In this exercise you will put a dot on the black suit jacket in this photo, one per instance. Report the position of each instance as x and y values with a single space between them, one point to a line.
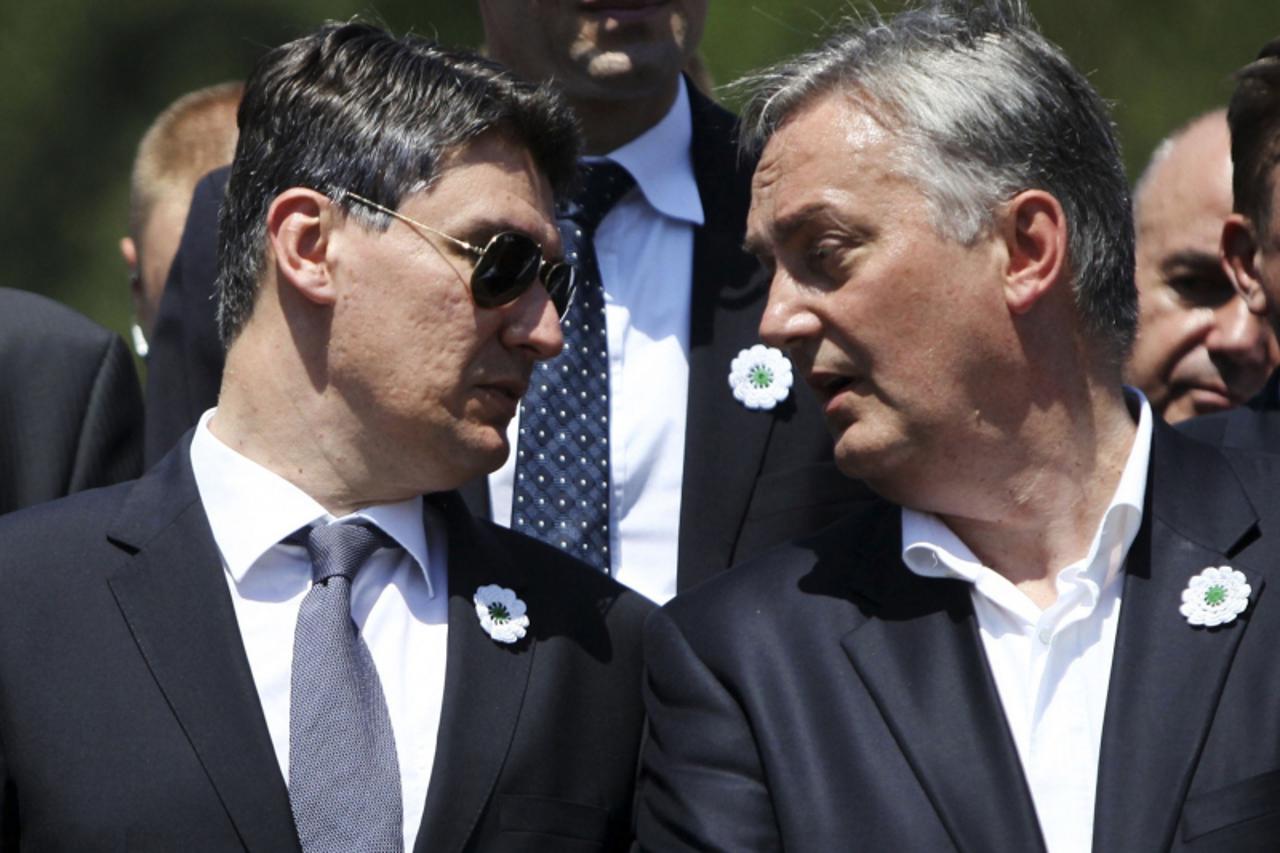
824 697
70 404
129 717
751 479
184 362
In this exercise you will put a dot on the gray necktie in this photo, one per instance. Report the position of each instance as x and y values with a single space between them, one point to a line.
344 779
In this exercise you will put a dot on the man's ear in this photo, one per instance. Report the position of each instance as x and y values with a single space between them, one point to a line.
129 251
299 223
1239 251
1034 229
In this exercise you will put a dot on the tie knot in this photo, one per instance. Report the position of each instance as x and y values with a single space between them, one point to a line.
341 549
600 185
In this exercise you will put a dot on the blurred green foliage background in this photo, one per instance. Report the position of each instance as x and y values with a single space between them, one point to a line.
83 78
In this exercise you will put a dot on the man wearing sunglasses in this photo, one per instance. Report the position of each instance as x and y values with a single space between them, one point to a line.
291 634
683 479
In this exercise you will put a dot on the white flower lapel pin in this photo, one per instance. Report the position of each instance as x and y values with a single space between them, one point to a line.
760 377
1216 596
502 615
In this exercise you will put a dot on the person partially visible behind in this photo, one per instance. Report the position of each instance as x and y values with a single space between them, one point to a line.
1199 348
1251 241
70 403
290 633
192 136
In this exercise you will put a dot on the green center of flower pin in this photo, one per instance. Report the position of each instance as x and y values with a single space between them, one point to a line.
499 613
761 376
1215 595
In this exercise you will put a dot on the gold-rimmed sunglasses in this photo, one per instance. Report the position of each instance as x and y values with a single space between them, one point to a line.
505 267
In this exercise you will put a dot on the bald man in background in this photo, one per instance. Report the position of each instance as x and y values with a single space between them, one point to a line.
1199 349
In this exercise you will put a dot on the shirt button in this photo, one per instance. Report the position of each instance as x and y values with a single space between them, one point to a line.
1045 636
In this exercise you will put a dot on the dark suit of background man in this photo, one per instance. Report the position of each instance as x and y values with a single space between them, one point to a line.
698 480
70 404
1251 240
993 658
150 696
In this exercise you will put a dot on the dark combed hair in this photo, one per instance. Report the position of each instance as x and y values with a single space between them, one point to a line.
985 107
352 108
1254 118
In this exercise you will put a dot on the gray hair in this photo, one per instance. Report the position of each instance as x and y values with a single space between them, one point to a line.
985 108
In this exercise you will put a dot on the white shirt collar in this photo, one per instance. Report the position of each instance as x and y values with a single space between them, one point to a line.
252 509
931 549
660 161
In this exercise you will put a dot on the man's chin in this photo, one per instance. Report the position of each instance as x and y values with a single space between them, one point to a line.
479 452
629 72
1197 402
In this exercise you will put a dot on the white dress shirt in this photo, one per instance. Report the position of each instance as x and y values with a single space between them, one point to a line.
399 600
644 247
1051 667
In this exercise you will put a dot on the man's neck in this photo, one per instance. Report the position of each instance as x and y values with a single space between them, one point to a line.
607 125
270 418
1052 498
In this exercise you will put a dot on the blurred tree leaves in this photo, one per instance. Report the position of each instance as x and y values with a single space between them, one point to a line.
83 78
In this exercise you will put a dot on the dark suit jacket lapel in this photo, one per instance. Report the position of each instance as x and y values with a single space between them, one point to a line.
921 658
1167 676
170 586
484 687
724 441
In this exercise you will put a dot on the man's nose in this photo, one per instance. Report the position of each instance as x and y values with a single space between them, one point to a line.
532 323
788 317
1240 334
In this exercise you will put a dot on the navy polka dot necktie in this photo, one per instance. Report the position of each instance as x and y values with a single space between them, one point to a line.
561 491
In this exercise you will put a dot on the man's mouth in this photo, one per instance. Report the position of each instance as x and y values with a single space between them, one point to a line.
827 384
622 10
503 395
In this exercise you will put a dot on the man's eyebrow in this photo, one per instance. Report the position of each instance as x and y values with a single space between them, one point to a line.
784 228
481 230
1191 259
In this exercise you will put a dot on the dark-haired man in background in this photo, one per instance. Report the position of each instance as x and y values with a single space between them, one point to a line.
676 479
1056 631
273 640
1251 240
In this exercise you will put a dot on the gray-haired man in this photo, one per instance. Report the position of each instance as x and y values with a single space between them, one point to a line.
1011 651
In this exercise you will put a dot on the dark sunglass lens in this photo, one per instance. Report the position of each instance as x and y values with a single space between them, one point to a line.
505 270
561 282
